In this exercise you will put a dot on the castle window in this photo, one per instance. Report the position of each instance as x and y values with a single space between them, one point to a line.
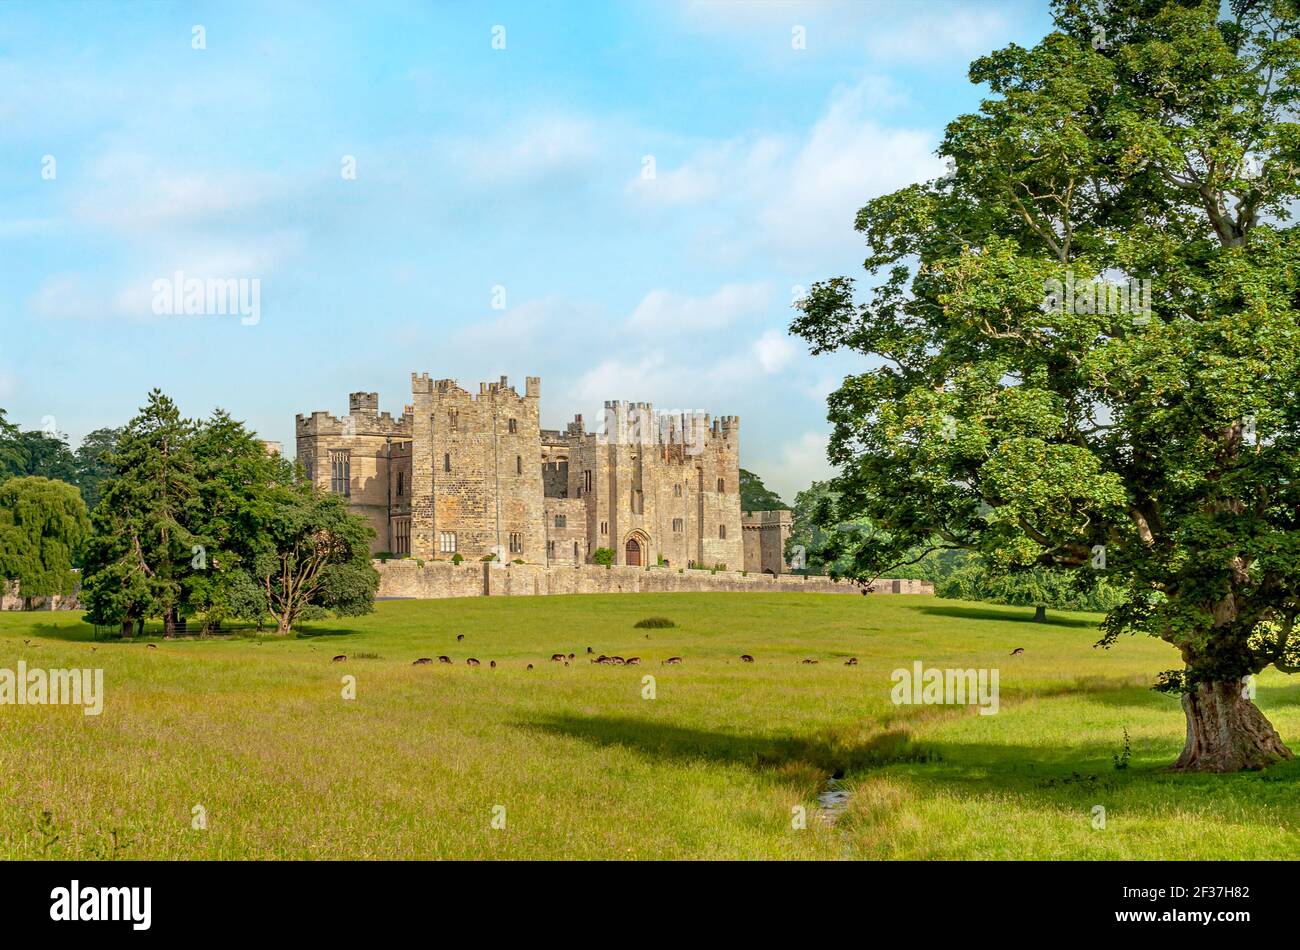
575 550
446 462
516 543
586 480
550 550
519 465
341 472
400 483
561 521
677 490
453 418
722 532
447 542
722 485
604 527
512 427
678 525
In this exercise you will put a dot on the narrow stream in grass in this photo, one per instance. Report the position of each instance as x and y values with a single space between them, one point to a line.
832 802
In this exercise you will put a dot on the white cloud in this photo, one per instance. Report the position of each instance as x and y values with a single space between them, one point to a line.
543 148
847 160
796 198
958 33
774 351
794 467
665 312
66 297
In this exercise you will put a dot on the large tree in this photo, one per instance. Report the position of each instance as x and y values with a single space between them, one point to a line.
313 557
12 458
1019 412
142 544
755 496
92 465
47 455
42 526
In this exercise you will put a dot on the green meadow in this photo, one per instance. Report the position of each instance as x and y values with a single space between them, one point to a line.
255 736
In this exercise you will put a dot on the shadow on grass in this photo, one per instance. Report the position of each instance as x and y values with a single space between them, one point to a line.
1074 776
1002 615
84 632
828 752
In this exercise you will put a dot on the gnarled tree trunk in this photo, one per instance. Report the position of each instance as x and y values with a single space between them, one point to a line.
1226 732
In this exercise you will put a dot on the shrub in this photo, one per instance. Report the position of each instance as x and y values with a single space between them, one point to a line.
654 623
603 556
457 558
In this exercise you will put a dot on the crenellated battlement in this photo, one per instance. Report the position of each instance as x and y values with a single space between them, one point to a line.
472 472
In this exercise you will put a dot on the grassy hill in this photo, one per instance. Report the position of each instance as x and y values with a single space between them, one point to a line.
420 762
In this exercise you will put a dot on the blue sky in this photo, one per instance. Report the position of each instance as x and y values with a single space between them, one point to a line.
478 171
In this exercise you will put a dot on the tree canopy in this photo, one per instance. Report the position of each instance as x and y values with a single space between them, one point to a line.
197 519
755 496
1088 343
43 524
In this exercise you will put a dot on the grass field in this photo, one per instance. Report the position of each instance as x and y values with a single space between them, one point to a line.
258 735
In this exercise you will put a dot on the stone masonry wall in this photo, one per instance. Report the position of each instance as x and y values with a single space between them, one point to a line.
437 579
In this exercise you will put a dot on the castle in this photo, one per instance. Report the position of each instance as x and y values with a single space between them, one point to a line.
461 476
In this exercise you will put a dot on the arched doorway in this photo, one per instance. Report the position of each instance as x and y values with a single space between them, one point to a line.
632 553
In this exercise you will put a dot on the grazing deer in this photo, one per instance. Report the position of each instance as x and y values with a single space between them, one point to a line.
444 659
590 650
493 664
472 662
422 661
633 661
557 657
673 661
340 658
617 660
530 666
851 661
150 646
570 656
1017 651
460 637
746 658
809 661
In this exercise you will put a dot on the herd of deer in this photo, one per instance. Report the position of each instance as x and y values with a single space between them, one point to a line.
602 659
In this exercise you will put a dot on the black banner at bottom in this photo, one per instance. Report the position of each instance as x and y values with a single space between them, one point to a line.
147 899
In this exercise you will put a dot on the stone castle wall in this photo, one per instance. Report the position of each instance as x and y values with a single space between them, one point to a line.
437 579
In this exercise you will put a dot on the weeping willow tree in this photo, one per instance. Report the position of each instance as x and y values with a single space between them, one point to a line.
43 524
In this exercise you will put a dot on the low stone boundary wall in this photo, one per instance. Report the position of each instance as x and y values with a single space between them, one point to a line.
435 579
11 599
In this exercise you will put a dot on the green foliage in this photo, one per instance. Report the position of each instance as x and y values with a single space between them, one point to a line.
603 556
48 456
755 496
12 459
142 545
92 463
457 558
43 524
1120 758
197 518
1001 421
313 555
1038 586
